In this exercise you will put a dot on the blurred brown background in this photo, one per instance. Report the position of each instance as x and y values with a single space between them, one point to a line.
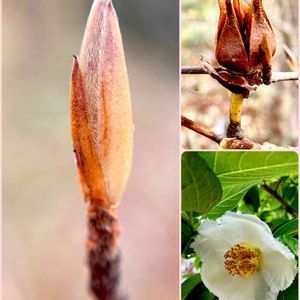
271 113
43 210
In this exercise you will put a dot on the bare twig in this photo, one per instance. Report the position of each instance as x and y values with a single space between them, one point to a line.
185 122
285 205
104 254
284 76
276 76
228 143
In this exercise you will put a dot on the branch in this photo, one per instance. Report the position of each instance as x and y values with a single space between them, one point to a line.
276 76
185 122
284 76
103 254
285 205
228 143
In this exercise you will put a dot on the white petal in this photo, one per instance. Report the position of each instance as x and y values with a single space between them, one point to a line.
251 218
220 235
228 287
279 267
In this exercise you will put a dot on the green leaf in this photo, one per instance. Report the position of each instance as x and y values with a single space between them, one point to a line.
189 284
290 242
291 293
201 189
240 171
290 228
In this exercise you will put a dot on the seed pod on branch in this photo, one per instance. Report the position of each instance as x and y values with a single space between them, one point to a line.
245 40
101 121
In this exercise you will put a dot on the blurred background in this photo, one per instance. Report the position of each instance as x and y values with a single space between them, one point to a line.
44 216
270 113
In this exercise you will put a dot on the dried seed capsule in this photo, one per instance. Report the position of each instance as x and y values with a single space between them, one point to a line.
101 109
230 50
245 39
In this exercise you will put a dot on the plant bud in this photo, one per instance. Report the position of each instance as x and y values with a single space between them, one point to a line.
245 39
101 116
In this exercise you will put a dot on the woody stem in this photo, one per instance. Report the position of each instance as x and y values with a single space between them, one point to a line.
234 129
103 253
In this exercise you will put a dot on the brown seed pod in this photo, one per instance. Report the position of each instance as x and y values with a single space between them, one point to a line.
245 39
101 116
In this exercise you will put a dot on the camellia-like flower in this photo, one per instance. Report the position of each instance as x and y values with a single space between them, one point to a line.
241 260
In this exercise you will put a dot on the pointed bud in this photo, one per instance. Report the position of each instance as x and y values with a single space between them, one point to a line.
101 109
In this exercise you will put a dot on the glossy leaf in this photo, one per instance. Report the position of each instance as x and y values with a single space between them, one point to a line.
290 228
189 284
240 171
201 189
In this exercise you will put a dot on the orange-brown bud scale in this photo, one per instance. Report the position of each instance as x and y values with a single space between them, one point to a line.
245 40
101 109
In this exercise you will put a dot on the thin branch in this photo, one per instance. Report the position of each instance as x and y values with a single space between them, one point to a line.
284 76
285 205
276 76
228 143
103 254
185 122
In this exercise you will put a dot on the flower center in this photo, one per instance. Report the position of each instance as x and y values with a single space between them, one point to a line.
242 260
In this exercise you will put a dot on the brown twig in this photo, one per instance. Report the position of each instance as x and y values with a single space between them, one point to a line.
185 122
228 143
276 76
285 205
103 254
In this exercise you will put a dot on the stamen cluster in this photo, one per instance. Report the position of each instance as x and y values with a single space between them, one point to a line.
242 260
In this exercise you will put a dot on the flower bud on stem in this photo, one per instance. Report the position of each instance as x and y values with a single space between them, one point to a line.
101 122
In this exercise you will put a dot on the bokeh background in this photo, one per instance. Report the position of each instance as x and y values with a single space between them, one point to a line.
44 224
270 114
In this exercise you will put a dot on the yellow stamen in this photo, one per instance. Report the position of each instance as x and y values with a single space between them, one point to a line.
242 260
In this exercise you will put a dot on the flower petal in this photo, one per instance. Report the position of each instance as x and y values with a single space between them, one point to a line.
220 235
279 267
228 287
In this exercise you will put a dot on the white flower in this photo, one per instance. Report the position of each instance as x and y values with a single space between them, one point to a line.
241 260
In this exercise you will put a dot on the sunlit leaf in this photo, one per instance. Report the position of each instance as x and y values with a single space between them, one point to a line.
290 228
240 171
201 189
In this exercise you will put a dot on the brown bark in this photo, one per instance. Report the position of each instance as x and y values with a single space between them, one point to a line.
104 257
